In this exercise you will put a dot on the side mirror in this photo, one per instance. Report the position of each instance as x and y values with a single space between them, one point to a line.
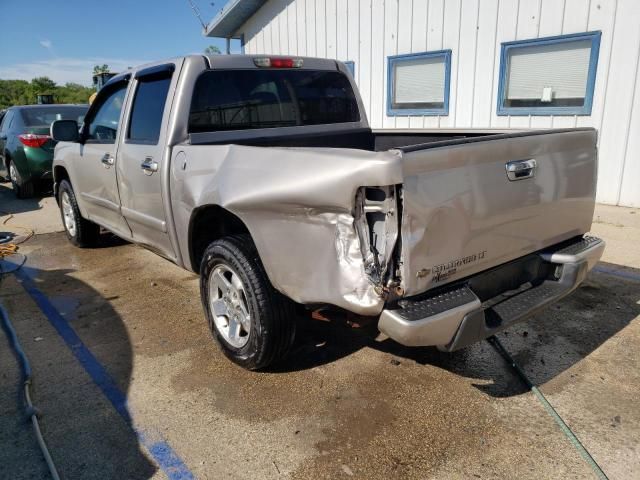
65 131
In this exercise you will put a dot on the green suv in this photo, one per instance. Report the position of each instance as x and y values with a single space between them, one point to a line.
26 149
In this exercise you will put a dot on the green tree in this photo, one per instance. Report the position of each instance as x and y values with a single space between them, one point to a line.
97 69
15 92
21 92
212 50
73 93
43 85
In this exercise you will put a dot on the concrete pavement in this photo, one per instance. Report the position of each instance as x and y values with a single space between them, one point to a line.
343 406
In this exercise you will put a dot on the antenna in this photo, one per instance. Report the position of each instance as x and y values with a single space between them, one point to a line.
196 12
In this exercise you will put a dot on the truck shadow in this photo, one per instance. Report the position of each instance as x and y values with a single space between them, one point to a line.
11 205
88 430
544 345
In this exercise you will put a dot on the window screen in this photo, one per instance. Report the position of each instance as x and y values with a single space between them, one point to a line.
248 99
419 83
549 74
147 110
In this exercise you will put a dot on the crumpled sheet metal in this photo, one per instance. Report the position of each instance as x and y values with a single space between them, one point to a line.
298 206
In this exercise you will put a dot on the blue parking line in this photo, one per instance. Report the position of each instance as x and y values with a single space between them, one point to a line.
163 454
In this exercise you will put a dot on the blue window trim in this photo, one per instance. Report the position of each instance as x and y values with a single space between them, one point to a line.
393 60
594 37
351 65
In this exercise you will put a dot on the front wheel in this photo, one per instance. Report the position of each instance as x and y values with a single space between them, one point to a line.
252 322
80 232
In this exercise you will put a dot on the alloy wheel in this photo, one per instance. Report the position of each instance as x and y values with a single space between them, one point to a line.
13 174
67 214
229 306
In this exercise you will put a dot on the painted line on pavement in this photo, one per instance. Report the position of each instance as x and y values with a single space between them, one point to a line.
161 451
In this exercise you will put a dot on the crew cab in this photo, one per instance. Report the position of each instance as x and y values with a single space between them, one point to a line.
262 175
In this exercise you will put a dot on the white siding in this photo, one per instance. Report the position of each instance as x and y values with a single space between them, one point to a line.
368 31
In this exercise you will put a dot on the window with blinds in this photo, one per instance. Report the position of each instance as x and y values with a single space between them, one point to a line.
419 83
549 76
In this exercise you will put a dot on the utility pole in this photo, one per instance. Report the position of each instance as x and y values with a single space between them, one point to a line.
196 12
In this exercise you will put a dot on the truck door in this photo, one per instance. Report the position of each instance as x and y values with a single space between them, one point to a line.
95 172
143 157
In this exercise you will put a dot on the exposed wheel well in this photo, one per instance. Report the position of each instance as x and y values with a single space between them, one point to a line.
59 174
209 223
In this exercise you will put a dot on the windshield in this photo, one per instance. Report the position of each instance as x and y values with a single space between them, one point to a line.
246 99
36 116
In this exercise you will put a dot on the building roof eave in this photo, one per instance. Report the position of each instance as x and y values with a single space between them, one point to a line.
234 14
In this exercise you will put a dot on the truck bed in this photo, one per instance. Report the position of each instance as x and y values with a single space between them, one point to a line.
360 139
460 212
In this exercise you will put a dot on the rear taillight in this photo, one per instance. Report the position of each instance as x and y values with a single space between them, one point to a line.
33 139
277 62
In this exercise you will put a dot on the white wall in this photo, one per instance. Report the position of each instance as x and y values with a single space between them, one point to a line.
367 31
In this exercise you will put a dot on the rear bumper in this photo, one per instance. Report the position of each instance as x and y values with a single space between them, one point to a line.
39 164
456 318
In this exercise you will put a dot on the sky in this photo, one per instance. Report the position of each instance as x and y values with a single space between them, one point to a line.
64 39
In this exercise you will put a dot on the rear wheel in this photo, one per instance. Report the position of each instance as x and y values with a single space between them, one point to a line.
21 188
3 178
252 322
80 232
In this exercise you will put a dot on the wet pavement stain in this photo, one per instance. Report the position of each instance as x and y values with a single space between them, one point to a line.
343 404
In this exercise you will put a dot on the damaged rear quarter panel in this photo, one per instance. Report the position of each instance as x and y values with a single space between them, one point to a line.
298 205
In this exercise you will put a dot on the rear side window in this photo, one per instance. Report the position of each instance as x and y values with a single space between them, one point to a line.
248 99
147 110
6 121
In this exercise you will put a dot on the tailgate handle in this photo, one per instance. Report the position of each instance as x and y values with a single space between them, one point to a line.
521 169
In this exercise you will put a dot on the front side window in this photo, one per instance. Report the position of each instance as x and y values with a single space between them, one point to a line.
147 110
418 83
103 127
548 76
241 99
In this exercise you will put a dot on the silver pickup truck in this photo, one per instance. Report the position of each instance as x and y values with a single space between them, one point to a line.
262 175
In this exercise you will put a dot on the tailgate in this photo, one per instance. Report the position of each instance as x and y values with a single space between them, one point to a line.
462 214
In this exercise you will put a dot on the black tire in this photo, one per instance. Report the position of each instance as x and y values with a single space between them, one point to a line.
21 188
6 179
86 233
272 315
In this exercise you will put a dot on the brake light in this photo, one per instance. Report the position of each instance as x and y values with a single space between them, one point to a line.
33 139
277 62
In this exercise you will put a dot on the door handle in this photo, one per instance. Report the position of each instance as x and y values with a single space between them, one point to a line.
149 166
521 169
107 160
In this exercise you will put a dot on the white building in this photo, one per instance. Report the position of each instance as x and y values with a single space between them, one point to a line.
474 64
